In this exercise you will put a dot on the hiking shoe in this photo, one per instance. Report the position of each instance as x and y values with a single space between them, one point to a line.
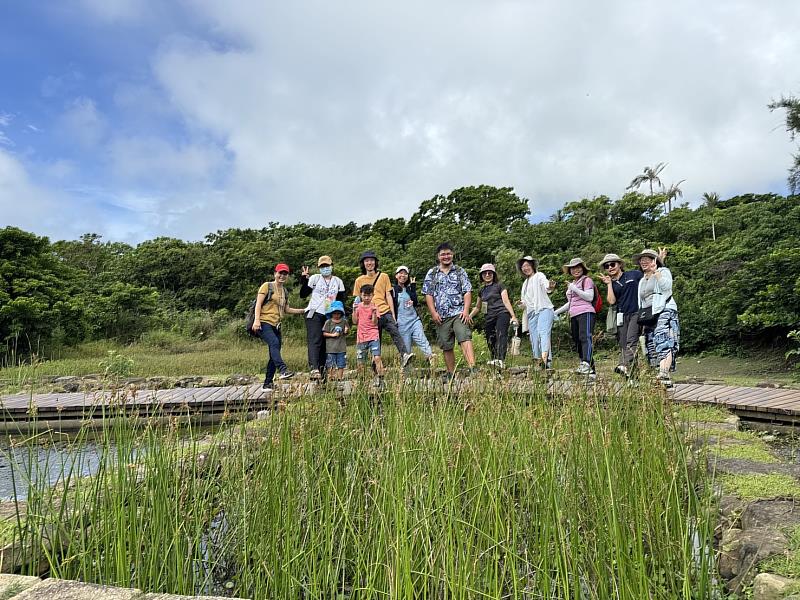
315 375
267 387
664 379
583 368
286 375
621 370
407 358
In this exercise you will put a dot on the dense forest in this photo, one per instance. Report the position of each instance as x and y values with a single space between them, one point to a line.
736 264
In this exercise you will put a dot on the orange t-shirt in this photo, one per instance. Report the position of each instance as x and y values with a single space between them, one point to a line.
382 285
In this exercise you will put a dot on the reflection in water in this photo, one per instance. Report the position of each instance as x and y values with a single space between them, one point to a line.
53 461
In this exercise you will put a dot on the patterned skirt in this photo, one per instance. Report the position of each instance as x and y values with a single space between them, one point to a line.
664 338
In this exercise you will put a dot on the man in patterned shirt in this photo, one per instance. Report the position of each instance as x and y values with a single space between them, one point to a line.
448 294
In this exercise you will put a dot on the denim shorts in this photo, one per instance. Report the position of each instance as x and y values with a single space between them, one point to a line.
336 360
372 347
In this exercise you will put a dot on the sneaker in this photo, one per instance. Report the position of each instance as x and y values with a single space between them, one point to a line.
407 358
315 374
621 370
583 368
499 364
664 379
267 387
286 375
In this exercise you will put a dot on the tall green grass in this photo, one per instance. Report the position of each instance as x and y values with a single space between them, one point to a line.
471 495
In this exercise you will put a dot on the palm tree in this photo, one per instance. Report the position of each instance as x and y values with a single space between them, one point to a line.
650 175
710 200
672 192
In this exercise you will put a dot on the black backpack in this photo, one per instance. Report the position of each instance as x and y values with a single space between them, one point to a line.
250 319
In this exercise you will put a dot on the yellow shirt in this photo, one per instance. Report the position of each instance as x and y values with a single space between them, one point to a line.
382 286
272 311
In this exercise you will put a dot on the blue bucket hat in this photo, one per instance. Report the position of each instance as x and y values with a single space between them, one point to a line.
335 306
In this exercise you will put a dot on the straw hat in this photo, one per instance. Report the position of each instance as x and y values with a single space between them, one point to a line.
611 258
574 263
530 259
647 252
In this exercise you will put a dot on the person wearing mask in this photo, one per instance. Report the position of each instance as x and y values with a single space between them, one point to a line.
321 289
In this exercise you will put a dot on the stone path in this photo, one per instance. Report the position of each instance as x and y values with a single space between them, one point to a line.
22 587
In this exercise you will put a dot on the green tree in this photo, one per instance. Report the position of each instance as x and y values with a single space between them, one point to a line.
649 175
792 107
710 201
673 192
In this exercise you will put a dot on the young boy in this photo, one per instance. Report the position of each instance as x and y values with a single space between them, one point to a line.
334 331
365 317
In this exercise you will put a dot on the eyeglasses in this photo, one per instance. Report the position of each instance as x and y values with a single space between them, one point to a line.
608 265
485 273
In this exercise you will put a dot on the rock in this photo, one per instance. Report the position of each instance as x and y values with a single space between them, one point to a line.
14 584
76 590
159 383
766 384
739 466
767 586
730 510
771 513
741 551
188 382
211 382
138 382
240 380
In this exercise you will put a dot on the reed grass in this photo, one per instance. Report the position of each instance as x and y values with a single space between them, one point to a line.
474 494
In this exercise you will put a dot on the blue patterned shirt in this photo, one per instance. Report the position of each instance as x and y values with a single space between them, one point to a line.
447 289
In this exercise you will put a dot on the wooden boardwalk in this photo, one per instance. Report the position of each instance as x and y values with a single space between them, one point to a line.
70 410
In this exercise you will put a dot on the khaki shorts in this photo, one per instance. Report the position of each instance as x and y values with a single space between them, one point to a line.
452 330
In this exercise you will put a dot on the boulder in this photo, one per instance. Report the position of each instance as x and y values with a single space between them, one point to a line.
767 586
740 466
240 380
730 511
188 382
771 513
741 551
159 383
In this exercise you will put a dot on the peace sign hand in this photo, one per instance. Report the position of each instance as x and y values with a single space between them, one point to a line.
412 280
304 272
662 254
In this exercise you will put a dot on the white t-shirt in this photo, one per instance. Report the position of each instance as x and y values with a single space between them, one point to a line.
534 292
322 293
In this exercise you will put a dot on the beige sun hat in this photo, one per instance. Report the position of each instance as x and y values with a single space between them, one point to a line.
647 252
527 258
611 258
574 263
324 260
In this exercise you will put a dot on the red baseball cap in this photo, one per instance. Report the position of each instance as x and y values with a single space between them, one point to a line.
282 267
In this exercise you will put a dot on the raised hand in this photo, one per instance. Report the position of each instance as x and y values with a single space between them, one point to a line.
662 254
412 280
305 271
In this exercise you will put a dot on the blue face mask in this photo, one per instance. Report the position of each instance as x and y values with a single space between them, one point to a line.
326 271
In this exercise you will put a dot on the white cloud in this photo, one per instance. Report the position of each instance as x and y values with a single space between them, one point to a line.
330 112
83 122
23 203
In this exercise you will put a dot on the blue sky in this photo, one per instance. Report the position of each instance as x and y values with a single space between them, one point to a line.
141 118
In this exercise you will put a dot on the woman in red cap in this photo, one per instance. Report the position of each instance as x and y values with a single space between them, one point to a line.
272 304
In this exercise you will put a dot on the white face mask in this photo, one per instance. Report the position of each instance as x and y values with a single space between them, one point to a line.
326 271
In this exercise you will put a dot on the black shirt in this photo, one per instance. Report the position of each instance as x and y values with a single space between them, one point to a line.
491 295
626 290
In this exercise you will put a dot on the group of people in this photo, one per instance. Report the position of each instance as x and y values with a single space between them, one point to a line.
640 303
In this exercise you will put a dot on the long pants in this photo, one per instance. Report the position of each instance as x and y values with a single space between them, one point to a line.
414 332
581 327
540 327
496 330
316 342
272 337
628 338
386 322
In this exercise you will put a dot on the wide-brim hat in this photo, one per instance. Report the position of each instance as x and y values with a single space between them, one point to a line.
574 263
647 252
401 268
336 306
611 258
487 267
529 259
367 254
324 260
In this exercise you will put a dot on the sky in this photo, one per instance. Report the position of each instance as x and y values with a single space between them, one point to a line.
136 119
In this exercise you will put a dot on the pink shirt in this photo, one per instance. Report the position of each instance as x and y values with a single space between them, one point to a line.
577 305
367 331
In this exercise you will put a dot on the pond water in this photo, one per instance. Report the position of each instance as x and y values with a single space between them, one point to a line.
30 463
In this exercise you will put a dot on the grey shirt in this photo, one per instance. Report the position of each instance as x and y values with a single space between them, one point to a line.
337 344
648 289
